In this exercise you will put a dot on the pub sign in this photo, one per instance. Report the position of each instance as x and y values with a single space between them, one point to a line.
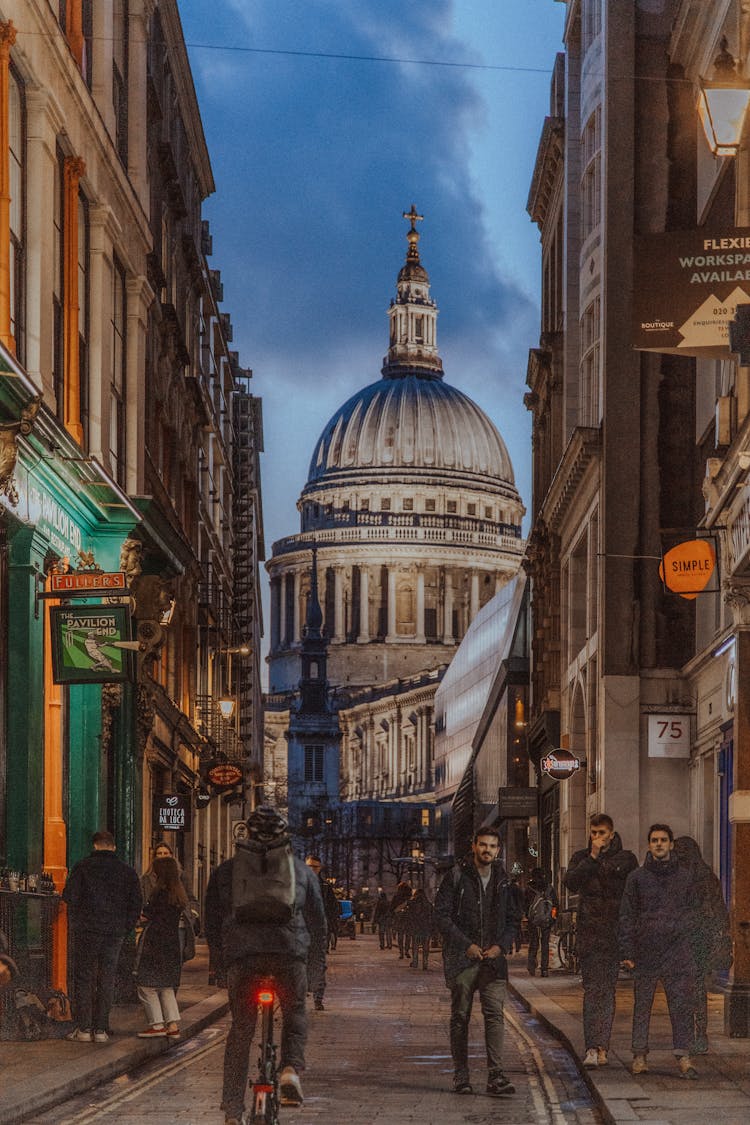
85 642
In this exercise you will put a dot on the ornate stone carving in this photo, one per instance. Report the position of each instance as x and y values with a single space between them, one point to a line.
737 597
145 712
111 700
9 432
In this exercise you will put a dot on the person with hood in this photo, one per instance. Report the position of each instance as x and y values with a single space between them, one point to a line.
539 906
419 921
473 912
597 875
103 896
246 952
381 916
711 939
658 917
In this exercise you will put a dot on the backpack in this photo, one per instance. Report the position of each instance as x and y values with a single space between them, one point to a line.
263 882
540 911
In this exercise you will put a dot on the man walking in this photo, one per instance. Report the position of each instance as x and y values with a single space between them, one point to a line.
316 975
474 914
104 903
657 918
246 951
597 874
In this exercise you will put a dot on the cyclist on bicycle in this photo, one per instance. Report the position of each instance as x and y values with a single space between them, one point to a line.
245 953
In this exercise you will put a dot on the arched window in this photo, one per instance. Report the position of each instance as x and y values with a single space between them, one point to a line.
17 164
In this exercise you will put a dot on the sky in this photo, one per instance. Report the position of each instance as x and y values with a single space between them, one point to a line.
315 158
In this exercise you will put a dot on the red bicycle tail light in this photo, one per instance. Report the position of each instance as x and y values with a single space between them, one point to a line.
265 997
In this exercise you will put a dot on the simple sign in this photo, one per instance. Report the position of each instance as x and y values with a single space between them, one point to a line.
687 568
86 582
171 812
687 287
560 764
85 644
669 736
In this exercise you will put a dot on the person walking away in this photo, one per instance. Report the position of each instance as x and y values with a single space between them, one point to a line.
711 939
247 951
382 919
541 903
473 913
160 951
420 924
399 902
658 916
103 895
597 875
316 975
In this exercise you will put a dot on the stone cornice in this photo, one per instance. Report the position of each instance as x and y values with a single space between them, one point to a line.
582 449
183 77
396 540
549 161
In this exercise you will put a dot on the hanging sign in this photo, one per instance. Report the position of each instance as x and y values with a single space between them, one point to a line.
87 583
686 569
86 644
687 287
560 764
669 736
171 812
224 775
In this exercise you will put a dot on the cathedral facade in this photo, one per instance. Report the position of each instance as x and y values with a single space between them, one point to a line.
411 511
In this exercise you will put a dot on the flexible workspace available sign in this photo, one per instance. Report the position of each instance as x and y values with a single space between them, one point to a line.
687 287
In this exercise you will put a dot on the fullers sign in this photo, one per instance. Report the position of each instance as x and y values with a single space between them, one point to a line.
560 764
687 568
687 287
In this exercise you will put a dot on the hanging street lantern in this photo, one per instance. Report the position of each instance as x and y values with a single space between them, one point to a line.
722 103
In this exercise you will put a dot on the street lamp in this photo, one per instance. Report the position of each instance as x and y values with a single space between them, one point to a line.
722 103
226 706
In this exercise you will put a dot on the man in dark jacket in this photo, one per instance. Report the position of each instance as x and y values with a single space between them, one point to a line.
104 902
597 874
473 912
658 917
247 952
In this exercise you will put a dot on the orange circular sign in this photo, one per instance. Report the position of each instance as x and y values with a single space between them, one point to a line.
687 568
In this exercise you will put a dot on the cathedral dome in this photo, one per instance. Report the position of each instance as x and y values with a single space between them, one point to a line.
410 421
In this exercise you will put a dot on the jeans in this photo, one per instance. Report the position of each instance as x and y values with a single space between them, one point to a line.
243 977
385 933
599 978
679 988
316 979
538 936
160 1004
95 958
492 992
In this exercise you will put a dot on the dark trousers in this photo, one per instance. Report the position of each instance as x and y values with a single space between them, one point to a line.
290 978
538 937
385 933
492 993
95 958
420 942
678 981
599 978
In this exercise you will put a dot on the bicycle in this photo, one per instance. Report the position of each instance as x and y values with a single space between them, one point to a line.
265 1090
566 943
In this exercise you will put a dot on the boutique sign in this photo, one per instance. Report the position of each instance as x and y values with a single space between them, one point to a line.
687 287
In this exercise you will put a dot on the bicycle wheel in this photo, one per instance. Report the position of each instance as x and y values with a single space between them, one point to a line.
564 952
265 1108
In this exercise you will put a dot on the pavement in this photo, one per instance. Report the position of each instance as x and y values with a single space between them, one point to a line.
35 1077
720 1095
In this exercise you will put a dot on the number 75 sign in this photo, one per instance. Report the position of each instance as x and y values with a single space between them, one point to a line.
669 736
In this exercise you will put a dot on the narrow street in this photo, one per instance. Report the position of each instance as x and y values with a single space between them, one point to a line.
379 1053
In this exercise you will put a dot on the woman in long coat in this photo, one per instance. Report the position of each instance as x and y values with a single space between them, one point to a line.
159 956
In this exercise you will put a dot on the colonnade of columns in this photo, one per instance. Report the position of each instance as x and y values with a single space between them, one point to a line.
389 752
458 588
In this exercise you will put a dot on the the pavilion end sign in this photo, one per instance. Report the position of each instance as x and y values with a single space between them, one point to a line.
687 286
86 644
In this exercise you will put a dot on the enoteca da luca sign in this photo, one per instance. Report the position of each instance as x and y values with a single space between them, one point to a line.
687 286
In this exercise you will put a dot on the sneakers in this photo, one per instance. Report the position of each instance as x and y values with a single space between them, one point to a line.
173 1032
687 1070
639 1066
601 1056
498 1086
79 1036
461 1084
700 1047
101 1037
591 1058
152 1033
290 1087
235 1120
319 1006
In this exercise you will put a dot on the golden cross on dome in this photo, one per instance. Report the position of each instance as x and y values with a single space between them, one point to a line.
415 218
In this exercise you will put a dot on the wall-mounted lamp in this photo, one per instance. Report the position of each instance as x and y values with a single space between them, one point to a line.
226 706
167 613
722 103
519 713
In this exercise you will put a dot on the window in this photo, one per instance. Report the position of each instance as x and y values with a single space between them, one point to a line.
314 763
16 162
120 76
365 505
451 506
488 513
471 509
57 289
83 306
408 505
591 22
589 370
591 179
429 505
385 504
117 380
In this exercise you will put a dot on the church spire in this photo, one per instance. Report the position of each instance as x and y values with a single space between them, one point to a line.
413 316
